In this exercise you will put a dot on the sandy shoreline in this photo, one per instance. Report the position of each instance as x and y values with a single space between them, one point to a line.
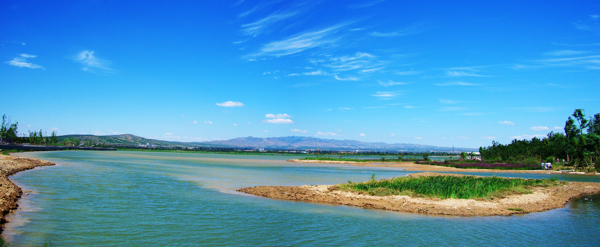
9 192
411 166
542 199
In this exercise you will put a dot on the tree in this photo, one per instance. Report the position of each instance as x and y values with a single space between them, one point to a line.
8 131
426 156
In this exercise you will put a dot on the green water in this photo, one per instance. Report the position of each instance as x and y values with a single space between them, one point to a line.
175 199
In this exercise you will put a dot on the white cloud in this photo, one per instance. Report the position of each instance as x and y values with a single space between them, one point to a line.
462 73
234 124
345 79
564 53
300 42
387 95
278 116
456 83
264 131
297 130
488 137
446 101
230 104
506 122
327 134
527 136
257 27
208 122
195 122
22 62
345 109
393 134
557 128
418 138
391 83
462 137
278 121
361 134
455 108
414 29
539 128
90 62
364 5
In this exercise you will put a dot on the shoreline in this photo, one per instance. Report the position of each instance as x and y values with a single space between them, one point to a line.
9 192
411 166
542 199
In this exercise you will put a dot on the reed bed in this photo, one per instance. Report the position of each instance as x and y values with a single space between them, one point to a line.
458 187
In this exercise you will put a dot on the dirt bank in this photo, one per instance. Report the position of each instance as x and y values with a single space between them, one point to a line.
9 192
542 199
411 166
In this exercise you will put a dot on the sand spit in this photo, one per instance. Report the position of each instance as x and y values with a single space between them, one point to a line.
9 192
542 199
411 166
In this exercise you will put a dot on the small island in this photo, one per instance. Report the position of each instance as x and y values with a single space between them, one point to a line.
439 194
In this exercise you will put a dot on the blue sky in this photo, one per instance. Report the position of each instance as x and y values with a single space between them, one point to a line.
425 72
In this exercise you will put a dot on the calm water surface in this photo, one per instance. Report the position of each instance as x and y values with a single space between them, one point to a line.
145 198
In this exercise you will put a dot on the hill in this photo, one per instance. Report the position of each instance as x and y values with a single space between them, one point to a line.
283 143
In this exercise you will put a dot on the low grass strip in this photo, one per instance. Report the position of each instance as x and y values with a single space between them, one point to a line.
458 187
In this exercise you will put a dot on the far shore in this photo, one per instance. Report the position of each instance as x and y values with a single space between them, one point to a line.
411 166
9 192
542 199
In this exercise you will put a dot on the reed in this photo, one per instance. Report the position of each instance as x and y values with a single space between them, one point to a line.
459 187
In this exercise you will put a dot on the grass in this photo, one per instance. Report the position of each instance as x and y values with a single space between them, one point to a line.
459 187
358 160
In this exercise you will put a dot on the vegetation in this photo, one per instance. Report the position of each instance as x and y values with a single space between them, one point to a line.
459 187
579 147
8 130
527 164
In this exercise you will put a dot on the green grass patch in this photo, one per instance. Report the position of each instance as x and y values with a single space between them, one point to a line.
515 209
464 187
358 160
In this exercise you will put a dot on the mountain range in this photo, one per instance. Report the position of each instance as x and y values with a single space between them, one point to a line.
281 143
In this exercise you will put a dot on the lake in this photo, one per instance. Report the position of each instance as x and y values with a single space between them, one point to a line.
122 198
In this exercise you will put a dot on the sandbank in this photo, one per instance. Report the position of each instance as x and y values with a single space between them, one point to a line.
542 199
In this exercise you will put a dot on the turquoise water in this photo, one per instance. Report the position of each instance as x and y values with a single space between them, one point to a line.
174 199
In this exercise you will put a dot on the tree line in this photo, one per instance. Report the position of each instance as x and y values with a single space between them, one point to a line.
578 146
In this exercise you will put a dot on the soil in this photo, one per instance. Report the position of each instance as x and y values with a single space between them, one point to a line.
9 192
542 199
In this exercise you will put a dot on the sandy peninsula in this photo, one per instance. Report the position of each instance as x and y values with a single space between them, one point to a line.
9 192
411 166
541 199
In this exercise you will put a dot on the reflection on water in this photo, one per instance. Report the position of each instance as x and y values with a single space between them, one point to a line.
144 198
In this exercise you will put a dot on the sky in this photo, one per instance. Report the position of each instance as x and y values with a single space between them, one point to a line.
439 73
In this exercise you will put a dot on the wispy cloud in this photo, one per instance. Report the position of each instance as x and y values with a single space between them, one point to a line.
452 108
298 130
327 134
260 26
387 95
507 122
278 121
208 122
230 104
278 116
300 42
418 138
345 109
414 29
244 14
454 73
527 136
91 63
564 53
362 134
586 62
447 101
539 128
391 83
488 137
364 5
21 61
455 83
345 79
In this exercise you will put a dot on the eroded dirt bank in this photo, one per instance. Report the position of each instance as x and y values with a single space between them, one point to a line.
541 200
9 192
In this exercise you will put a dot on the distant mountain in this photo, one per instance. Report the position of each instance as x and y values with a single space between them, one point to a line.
300 142
288 142
124 139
